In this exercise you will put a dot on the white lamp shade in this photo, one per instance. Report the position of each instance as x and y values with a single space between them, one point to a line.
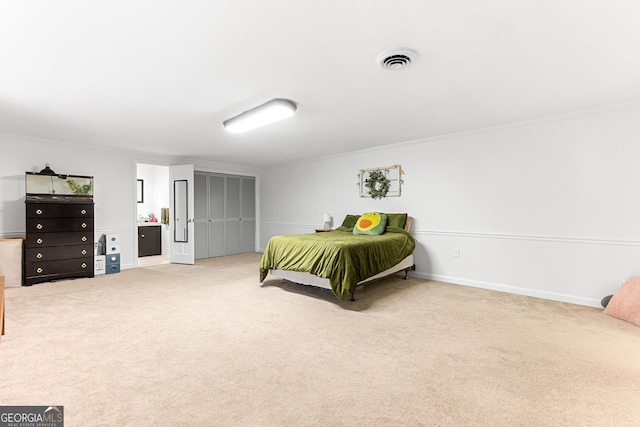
327 217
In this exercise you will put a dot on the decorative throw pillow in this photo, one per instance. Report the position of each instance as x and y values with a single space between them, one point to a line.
371 223
625 303
397 219
350 221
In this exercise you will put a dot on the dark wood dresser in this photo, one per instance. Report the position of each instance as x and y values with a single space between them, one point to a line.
59 238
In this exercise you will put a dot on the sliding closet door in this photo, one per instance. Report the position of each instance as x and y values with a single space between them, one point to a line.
240 214
225 214
217 227
233 215
201 214
248 215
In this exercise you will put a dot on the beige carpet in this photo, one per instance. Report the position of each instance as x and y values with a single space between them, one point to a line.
207 345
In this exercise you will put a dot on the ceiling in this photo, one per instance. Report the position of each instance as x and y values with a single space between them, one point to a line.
162 76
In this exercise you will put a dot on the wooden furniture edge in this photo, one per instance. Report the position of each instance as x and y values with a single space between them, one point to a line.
407 226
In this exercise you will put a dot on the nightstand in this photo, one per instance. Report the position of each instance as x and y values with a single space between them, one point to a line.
321 230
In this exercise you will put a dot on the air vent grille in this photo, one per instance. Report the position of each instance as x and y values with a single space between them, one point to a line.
396 59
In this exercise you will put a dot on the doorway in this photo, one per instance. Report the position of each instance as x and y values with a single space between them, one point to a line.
152 186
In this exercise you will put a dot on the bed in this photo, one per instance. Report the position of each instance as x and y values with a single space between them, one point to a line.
341 260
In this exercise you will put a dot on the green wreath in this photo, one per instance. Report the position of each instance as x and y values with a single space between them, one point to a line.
377 185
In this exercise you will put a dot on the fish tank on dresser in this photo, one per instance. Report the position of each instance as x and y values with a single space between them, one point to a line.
58 186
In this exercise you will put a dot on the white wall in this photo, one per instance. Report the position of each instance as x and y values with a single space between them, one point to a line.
114 173
546 208
153 199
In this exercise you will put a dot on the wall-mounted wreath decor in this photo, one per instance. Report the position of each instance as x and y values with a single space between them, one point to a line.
377 185
381 182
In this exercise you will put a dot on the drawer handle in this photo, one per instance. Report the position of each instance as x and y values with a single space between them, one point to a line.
39 270
83 211
39 226
39 256
39 212
142 235
84 238
84 252
84 265
84 225
39 241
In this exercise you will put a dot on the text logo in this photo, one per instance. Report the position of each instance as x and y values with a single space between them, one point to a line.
31 416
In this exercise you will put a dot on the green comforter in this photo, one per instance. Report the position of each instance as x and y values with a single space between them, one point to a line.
340 256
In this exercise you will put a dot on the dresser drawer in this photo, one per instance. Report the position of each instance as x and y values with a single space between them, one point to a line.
113 263
39 240
49 225
66 266
57 210
58 253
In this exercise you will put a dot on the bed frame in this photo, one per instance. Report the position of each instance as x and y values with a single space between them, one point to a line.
303 278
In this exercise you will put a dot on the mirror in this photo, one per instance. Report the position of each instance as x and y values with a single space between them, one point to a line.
141 191
180 219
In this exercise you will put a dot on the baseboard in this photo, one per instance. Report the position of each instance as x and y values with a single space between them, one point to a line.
510 289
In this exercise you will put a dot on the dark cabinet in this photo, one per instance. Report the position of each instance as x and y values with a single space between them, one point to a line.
59 239
149 240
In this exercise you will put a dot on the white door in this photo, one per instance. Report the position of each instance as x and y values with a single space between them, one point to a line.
181 214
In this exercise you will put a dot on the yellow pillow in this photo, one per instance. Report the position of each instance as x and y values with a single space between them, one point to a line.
371 223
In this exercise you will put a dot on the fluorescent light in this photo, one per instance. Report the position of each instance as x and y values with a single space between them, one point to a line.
267 113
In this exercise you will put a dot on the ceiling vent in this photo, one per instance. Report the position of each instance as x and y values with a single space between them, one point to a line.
396 59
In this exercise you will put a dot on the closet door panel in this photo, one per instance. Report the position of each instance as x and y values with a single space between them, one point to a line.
233 237
248 217
201 216
233 198
201 248
248 236
248 198
216 197
232 217
216 235
200 196
216 238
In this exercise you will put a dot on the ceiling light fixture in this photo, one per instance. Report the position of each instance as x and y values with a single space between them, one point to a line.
267 113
